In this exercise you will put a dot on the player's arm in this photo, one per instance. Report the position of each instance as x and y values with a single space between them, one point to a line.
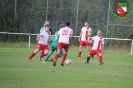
41 39
52 36
37 37
50 39
80 35
102 45
91 40
71 35
102 48
58 36
90 33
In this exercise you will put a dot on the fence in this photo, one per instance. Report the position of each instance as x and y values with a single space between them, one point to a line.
29 39
32 13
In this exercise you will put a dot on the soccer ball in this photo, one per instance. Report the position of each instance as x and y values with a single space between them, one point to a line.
68 61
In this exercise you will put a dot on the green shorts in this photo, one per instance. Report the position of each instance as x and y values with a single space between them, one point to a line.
53 48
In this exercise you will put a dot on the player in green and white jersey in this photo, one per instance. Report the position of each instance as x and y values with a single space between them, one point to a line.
54 45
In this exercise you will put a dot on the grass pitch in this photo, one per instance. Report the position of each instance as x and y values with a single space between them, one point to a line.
17 72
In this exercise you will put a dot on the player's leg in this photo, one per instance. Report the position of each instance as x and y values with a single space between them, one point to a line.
66 47
61 53
41 54
33 53
49 54
56 57
38 48
54 49
45 50
99 53
88 48
80 51
64 57
92 52
44 54
80 48
57 54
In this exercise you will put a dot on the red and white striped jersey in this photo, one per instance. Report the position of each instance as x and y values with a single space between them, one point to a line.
45 36
85 31
97 42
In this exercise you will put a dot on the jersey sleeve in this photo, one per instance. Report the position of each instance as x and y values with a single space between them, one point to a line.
103 41
90 30
59 31
71 32
92 39
41 35
82 30
41 29
49 33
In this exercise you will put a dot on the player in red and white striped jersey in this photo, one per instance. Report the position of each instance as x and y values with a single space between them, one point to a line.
42 44
83 38
98 47
65 35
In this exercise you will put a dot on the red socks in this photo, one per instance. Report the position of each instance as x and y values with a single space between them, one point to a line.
64 57
56 57
79 54
32 55
100 58
42 55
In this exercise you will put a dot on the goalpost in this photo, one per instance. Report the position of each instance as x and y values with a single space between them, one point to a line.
29 39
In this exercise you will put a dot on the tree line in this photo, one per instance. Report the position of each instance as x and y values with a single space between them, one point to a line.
30 15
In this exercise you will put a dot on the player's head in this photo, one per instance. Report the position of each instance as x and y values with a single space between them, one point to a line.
99 33
86 24
46 23
67 24
46 28
62 25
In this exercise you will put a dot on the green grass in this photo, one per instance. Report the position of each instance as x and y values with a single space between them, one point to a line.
17 72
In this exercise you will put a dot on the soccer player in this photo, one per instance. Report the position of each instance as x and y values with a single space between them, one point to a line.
65 35
42 44
45 23
98 47
54 45
83 38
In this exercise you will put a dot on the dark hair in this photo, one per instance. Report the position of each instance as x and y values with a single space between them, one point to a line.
87 22
62 25
46 25
99 30
67 23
